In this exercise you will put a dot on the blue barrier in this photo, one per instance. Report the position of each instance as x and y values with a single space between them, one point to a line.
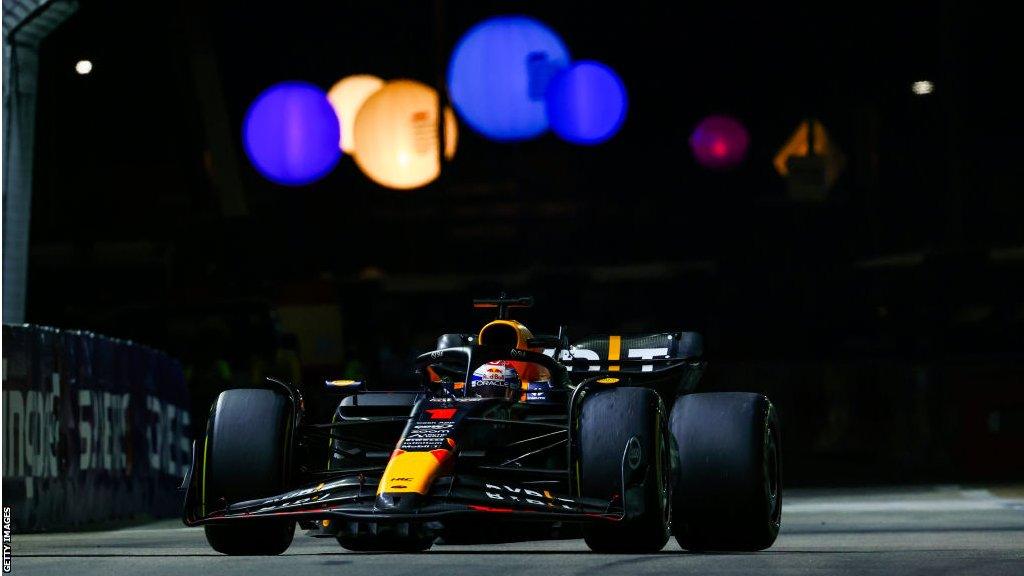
94 429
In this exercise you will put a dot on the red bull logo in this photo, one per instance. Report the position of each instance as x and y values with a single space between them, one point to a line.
494 380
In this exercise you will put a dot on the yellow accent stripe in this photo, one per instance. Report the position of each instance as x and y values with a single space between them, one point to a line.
614 350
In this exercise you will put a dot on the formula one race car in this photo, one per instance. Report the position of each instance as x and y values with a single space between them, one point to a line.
508 429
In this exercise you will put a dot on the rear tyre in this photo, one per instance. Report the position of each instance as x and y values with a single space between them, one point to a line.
610 420
246 452
728 492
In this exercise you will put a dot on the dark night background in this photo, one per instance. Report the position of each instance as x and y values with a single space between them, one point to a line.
886 320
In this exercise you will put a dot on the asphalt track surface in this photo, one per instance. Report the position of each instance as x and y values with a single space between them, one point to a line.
935 530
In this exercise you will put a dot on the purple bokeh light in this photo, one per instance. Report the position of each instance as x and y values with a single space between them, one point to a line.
291 134
719 142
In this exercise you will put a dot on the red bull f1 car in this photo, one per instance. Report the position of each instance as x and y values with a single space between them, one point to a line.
608 433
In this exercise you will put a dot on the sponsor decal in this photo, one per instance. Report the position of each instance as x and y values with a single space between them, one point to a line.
521 495
441 413
32 427
427 435
585 354
307 496
88 421
647 354
494 380
318 492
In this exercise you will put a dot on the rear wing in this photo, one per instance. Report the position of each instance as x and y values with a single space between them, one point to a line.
634 352
673 359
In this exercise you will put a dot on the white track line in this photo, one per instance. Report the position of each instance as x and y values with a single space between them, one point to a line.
923 505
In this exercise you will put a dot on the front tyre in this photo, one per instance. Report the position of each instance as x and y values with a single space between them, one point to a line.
611 420
728 492
245 457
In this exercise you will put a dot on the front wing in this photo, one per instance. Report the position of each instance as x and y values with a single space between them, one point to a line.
354 498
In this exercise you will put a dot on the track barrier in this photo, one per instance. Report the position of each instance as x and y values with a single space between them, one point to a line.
94 429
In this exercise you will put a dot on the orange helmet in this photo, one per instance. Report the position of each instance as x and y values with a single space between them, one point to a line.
511 334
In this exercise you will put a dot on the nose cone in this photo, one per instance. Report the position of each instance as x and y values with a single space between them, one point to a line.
408 477
398 501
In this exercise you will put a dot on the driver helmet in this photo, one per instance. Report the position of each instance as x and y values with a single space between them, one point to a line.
494 380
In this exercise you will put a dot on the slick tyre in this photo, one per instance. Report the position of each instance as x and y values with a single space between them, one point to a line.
728 491
612 422
245 458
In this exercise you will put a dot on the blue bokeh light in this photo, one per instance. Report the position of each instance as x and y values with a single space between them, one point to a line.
291 134
498 75
586 103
